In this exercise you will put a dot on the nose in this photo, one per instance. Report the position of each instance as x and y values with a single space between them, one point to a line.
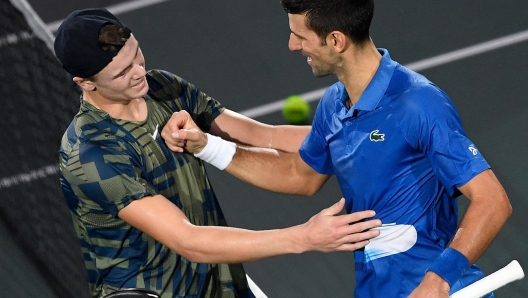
139 70
294 44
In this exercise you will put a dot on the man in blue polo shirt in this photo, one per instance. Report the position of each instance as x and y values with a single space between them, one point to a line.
396 145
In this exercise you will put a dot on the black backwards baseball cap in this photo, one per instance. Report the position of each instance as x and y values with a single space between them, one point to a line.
77 42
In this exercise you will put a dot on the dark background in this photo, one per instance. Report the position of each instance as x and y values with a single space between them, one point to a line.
236 51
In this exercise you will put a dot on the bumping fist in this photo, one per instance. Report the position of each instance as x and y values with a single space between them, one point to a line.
181 133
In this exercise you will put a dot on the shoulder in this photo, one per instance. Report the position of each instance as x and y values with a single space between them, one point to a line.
70 140
84 126
162 76
88 152
90 130
157 79
332 96
414 94
334 92
163 83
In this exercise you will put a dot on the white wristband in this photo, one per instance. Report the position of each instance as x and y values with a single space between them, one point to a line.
218 152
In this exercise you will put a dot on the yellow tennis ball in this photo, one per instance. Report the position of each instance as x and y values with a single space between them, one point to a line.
296 110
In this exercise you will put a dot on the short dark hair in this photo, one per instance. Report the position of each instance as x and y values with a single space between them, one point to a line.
352 17
112 37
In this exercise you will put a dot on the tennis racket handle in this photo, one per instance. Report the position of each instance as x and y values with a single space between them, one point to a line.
488 284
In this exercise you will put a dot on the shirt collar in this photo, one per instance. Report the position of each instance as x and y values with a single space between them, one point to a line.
87 107
375 90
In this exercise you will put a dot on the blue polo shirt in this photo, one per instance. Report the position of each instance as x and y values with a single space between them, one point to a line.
401 151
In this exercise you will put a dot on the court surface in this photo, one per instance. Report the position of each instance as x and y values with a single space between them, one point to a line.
236 51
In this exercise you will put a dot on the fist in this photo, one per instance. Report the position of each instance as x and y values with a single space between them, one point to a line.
181 133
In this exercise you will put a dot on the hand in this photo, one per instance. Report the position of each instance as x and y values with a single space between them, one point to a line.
432 286
181 133
327 231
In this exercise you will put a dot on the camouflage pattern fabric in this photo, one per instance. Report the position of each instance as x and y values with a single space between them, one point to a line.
107 163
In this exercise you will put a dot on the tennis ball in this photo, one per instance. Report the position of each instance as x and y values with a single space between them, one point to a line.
296 110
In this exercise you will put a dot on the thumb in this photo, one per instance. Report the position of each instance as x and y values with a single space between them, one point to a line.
175 132
336 208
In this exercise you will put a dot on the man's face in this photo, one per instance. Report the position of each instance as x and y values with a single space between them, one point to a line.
319 55
123 79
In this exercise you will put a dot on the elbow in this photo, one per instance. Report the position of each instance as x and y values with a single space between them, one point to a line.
191 253
187 244
504 208
194 256
297 185
507 212
308 191
310 184
508 208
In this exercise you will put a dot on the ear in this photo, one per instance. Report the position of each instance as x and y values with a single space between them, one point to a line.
85 84
338 41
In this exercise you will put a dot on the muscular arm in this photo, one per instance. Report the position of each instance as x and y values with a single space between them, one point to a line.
271 169
243 130
325 231
277 171
487 213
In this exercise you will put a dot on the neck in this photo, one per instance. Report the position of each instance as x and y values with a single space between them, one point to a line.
133 110
359 67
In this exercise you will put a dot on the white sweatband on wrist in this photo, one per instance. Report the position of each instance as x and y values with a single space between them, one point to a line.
218 152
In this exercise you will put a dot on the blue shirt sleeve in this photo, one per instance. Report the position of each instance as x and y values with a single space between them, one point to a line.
314 149
433 127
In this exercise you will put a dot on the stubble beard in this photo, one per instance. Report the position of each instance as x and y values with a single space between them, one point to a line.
320 72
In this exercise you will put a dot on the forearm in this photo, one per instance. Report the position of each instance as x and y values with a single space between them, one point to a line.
325 231
165 222
274 171
480 225
288 138
477 230
486 215
246 131
211 244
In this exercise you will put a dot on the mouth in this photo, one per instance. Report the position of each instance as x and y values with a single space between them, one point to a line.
140 84
308 57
